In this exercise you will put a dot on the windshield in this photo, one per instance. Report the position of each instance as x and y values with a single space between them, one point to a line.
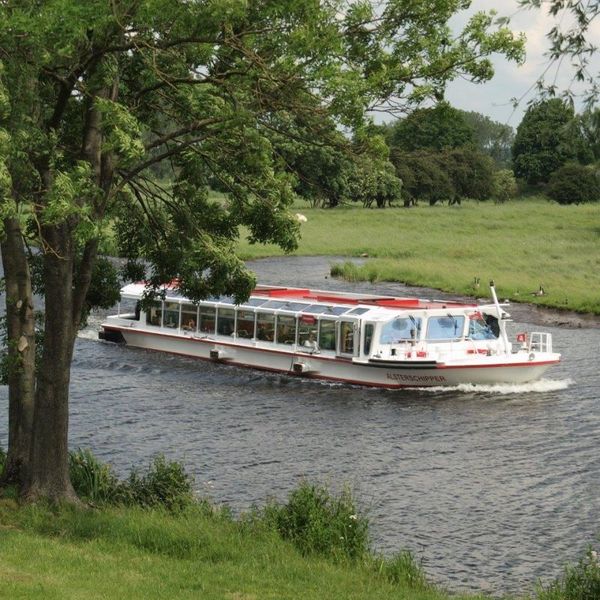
479 329
448 327
401 329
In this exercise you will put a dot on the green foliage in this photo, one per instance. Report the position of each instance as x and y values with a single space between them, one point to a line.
547 137
579 582
572 41
94 481
165 484
504 185
432 128
574 184
492 138
424 176
402 569
317 522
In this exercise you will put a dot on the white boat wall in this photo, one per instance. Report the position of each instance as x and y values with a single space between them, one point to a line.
354 338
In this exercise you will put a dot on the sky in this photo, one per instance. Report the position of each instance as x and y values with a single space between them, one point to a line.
513 81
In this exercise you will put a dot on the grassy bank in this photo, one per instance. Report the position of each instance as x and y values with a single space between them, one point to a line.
150 537
520 244
132 553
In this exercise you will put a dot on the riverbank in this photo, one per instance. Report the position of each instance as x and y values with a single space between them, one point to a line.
140 554
522 245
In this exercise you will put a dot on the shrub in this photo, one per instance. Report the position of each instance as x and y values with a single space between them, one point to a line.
402 569
579 582
317 522
504 185
573 184
93 480
2 460
165 484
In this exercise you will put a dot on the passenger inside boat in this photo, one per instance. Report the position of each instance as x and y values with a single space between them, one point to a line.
311 342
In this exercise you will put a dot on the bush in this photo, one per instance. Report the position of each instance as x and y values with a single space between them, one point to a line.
94 481
402 569
165 484
2 460
579 582
573 184
504 185
317 522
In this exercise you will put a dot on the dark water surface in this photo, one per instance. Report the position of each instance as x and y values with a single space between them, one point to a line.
491 487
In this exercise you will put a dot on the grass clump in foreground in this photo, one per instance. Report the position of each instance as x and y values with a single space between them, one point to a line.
313 546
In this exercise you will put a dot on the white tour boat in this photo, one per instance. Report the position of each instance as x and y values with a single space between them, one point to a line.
354 338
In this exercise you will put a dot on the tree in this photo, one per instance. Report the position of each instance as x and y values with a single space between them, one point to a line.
424 176
574 184
546 139
589 122
432 128
504 185
570 38
470 171
491 137
96 95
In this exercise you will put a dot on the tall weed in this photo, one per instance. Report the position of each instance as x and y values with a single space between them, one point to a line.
578 582
402 569
164 484
317 522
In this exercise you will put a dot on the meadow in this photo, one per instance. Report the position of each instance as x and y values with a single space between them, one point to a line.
522 245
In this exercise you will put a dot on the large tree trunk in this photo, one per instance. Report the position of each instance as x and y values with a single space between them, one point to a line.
48 475
20 321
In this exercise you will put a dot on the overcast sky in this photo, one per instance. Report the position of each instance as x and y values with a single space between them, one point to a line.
512 81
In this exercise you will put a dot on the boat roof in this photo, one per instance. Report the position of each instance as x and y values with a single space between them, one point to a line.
306 300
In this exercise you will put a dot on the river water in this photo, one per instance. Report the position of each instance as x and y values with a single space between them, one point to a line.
492 488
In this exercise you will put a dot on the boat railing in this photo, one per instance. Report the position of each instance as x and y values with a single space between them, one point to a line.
540 341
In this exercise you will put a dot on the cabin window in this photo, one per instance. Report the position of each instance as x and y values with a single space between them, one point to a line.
369 327
402 329
327 335
286 329
225 321
153 314
171 314
445 328
189 317
346 337
207 319
479 329
265 327
245 324
307 331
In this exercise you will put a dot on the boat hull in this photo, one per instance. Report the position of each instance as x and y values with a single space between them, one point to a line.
297 361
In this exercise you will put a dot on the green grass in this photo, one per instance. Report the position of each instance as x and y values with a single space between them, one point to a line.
134 553
520 244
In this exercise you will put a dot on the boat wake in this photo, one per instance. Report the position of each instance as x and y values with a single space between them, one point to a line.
540 386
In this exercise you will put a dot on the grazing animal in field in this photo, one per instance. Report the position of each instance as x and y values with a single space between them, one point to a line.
540 292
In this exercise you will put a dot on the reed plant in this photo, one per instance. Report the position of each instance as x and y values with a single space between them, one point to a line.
319 522
578 582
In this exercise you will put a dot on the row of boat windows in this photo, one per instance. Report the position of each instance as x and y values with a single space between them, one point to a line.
268 327
288 329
